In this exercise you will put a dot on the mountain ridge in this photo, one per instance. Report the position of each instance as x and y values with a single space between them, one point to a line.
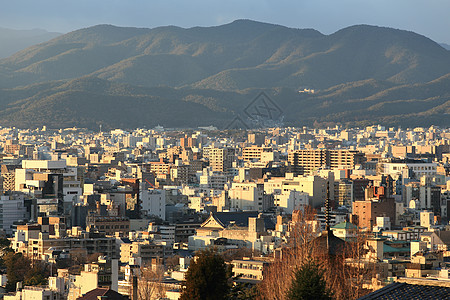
357 73
14 40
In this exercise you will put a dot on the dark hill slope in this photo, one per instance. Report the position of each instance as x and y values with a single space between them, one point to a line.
89 102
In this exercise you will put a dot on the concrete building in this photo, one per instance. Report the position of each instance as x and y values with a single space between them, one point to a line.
262 154
306 161
220 159
12 209
428 196
249 196
110 225
377 204
213 180
290 200
48 179
153 203
249 270
33 241
145 250
8 173
315 186
101 274
344 192
256 139
402 167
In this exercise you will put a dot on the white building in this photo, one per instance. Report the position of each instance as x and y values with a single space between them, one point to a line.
419 169
29 178
213 180
248 196
12 209
314 185
154 202
290 200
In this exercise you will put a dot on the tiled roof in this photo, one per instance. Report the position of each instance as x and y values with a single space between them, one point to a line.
328 239
105 293
445 237
407 291
344 225
389 249
241 218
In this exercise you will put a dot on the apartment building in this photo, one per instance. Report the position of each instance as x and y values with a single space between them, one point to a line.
221 159
308 161
256 153
249 270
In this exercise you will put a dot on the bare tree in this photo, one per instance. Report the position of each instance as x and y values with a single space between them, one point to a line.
346 267
360 266
150 283
299 248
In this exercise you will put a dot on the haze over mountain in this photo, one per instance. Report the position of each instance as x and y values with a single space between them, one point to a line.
177 77
446 46
12 40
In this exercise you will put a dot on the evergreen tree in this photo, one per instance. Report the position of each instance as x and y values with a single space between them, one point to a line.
17 267
308 282
20 269
206 278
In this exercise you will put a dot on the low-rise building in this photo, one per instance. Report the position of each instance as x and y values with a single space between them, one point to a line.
249 270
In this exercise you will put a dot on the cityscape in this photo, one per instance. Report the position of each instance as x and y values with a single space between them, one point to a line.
224 150
101 209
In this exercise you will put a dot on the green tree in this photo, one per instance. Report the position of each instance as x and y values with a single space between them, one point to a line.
4 243
20 269
17 267
244 291
308 282
4 250
36 275
206 278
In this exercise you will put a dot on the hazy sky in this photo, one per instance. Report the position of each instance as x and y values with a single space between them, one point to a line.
428 17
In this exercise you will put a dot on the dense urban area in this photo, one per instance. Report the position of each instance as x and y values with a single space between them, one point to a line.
85 213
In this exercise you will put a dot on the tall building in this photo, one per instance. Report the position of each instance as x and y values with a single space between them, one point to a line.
55 174
221 159
256 139
249 196
344 192
8 177
188 142
212 180
307 161
12 209
378 203
153 203
427 195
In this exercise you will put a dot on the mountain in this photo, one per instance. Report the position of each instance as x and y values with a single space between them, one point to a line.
12 40
446 46
176 77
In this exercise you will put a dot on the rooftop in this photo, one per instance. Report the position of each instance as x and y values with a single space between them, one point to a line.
407 288
345 225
